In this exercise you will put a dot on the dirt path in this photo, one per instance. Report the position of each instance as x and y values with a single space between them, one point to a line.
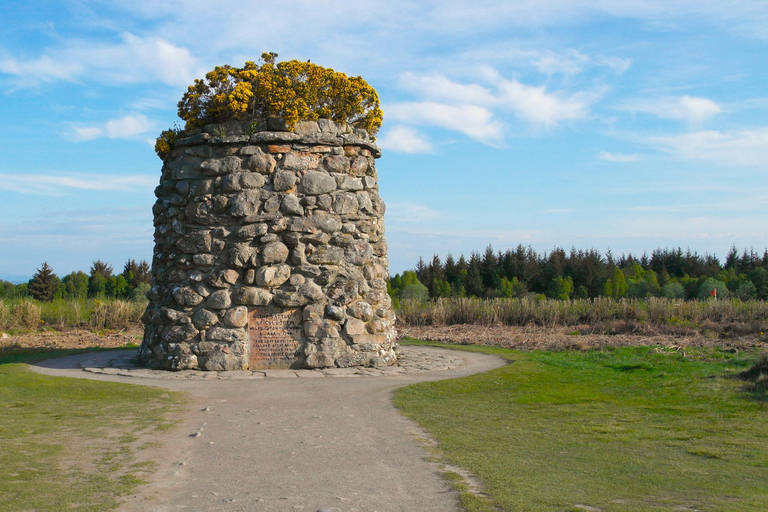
308 442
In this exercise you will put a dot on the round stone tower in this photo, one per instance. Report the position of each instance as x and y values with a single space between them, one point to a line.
269 251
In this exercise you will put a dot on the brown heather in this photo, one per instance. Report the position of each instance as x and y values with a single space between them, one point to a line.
601 314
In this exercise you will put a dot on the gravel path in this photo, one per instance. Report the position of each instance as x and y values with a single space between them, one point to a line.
290 440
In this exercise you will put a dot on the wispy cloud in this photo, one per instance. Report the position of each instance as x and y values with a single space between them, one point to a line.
403 139
743 147
682 108
617 157
410 213
475 108
474 121
133 60
126 127
63 184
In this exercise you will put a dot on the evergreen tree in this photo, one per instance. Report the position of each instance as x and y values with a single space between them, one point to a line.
44 283
451 269
101 272
136 273
101 267
76 285
489 271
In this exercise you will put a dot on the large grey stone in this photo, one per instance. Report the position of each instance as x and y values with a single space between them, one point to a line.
359 253
204 318
315 183
350 183
226 335
345 203
220 299
236 317
185 296
284 180
325 254
252 296
326 222
245 203
272 276
252 180
291 206
275 252
299 161
219 166
336 163
261 163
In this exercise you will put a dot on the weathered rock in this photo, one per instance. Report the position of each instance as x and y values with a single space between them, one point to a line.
315 183
291 205
185 296
272 276
336 163
274 252
219 166
261 163
204 318
284 180
236 317
251 296
245 203
345 203
300 161
220 299
361 310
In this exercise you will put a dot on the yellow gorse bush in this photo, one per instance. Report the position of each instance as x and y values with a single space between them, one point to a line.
289 90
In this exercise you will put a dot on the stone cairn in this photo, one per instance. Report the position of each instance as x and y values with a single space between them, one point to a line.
269 251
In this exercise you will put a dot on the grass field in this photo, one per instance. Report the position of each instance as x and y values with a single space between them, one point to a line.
71 444
626 429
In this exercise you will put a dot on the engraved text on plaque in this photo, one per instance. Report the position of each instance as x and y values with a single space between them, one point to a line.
275 336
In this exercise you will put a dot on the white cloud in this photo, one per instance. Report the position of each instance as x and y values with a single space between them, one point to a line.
61 184
438 87
409 213
744 147
474 121
134 60
682 108
538 107
617 157
127 127
470 108
403 139
43 69
569 62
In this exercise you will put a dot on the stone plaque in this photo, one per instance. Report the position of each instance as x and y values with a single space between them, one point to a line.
275 336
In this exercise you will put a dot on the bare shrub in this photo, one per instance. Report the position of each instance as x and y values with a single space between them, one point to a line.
115 314
602 314
25 315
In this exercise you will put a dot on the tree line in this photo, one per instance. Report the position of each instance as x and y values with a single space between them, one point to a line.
131 284
520 272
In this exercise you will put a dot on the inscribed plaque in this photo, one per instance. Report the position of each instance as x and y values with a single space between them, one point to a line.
275 336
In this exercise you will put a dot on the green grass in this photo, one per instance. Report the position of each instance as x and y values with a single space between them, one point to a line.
70 444
629 429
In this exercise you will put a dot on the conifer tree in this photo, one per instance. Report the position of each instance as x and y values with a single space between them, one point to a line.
44 283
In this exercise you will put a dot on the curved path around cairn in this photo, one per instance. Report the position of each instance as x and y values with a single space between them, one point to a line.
290 440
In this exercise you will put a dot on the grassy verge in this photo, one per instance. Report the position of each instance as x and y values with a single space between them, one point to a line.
628 429
70 444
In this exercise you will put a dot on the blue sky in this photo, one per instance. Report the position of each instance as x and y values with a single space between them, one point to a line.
622 125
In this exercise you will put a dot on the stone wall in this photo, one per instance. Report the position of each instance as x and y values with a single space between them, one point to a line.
269 252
